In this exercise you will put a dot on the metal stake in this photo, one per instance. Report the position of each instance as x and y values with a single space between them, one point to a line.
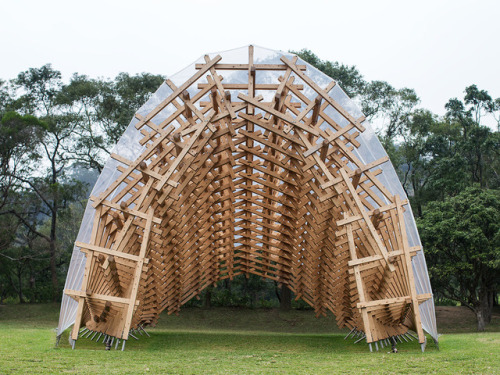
415 337
350 333
138 330
360 339
146 332
83 332
424 344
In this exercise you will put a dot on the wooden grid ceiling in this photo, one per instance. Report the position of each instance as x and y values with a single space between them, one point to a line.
231 184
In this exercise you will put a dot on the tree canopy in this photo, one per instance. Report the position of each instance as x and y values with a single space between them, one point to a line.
462 238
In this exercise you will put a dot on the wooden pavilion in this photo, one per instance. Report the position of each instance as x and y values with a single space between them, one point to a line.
247 168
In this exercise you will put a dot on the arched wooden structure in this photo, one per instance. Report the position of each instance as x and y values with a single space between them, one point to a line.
248 176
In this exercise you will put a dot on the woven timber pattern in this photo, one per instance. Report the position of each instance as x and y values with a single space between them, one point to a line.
229 184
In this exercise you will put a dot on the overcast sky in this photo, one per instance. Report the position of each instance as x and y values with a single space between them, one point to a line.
436 47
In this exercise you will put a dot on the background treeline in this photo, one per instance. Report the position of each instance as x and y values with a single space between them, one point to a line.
55 138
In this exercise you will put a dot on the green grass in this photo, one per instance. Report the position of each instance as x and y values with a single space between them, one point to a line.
234 341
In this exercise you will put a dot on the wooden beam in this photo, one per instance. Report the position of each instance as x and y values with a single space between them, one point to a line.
137 274
102 297
245 66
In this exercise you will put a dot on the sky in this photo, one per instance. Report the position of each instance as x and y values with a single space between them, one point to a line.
436 47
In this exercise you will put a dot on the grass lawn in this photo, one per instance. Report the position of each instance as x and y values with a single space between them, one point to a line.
239 341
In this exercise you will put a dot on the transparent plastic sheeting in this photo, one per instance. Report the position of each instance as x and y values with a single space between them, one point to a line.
129 147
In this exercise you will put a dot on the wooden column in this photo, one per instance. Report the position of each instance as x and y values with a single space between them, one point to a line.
137 275
409 271
359 285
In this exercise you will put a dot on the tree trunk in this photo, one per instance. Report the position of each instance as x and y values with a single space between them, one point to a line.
277 291
286 298
208 297
3 293
20 279
53 233
53 248
32 286
416 195
227 285
18 290
483 311
53 270
481 323
490 296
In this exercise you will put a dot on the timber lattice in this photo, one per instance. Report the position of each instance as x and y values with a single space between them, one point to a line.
231 184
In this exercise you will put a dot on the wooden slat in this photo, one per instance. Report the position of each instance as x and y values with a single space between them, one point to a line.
102 297
104 250
245 66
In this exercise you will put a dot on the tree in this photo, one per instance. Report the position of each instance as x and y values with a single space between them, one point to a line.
39 88
495 111
479 100
348 77
411 156
5 97
429 158
478 145
461 236
130 93
378 99
394 107
47 179
104 109
82 97
18 149
50 131
8 228
436 158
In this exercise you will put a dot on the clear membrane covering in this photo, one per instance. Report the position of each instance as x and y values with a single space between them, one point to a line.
130 148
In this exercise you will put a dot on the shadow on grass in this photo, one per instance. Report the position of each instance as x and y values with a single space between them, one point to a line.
185 341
